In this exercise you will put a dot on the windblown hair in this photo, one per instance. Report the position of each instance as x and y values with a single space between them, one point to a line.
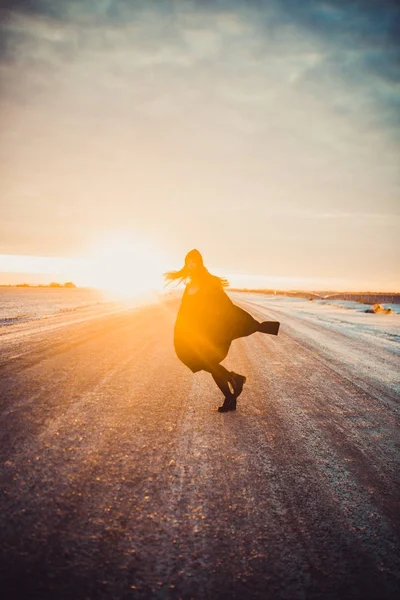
202 273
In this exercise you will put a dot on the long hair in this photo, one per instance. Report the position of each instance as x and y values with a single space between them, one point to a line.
202 273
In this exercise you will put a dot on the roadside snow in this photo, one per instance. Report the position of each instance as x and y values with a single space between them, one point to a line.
348 318
366 346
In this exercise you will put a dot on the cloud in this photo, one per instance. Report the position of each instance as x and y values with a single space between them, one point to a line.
117 111
240 57
360 23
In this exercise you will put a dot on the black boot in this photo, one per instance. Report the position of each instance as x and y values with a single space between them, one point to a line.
271 327
239 381
229 404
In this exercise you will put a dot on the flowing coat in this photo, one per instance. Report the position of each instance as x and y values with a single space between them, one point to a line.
207 323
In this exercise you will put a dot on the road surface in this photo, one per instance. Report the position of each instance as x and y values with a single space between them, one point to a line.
121 480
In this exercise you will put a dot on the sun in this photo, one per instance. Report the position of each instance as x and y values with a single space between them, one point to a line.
125 265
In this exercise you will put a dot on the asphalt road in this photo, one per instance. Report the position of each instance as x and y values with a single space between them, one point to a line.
121 480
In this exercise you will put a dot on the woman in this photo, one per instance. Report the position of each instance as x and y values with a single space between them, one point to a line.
206 324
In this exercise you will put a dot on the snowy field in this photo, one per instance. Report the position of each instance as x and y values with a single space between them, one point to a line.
24 311
348 318
18 304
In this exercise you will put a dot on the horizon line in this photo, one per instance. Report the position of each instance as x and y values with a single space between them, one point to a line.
271 290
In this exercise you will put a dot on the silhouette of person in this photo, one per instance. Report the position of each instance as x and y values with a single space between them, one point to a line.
207 323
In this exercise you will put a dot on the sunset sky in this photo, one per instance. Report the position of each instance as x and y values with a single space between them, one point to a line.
265 133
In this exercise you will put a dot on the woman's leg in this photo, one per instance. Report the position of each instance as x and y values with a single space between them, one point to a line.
222 378
239 381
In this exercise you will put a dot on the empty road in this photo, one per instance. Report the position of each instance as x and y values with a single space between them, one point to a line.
120 480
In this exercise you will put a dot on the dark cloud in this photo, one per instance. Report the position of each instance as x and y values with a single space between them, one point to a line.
96 10
371 27
359 39
385 64
33 7
353 22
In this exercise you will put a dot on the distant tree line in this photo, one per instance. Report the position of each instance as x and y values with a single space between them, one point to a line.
53 284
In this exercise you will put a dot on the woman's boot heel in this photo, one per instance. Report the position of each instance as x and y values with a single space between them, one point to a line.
229 404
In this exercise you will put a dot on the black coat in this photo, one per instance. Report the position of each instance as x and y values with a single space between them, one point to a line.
206 325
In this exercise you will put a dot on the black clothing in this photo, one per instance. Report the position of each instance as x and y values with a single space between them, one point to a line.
207 323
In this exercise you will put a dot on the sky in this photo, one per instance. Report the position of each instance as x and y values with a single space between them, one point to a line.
265 133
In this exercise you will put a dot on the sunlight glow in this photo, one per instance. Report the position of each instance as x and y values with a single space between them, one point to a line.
124 265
